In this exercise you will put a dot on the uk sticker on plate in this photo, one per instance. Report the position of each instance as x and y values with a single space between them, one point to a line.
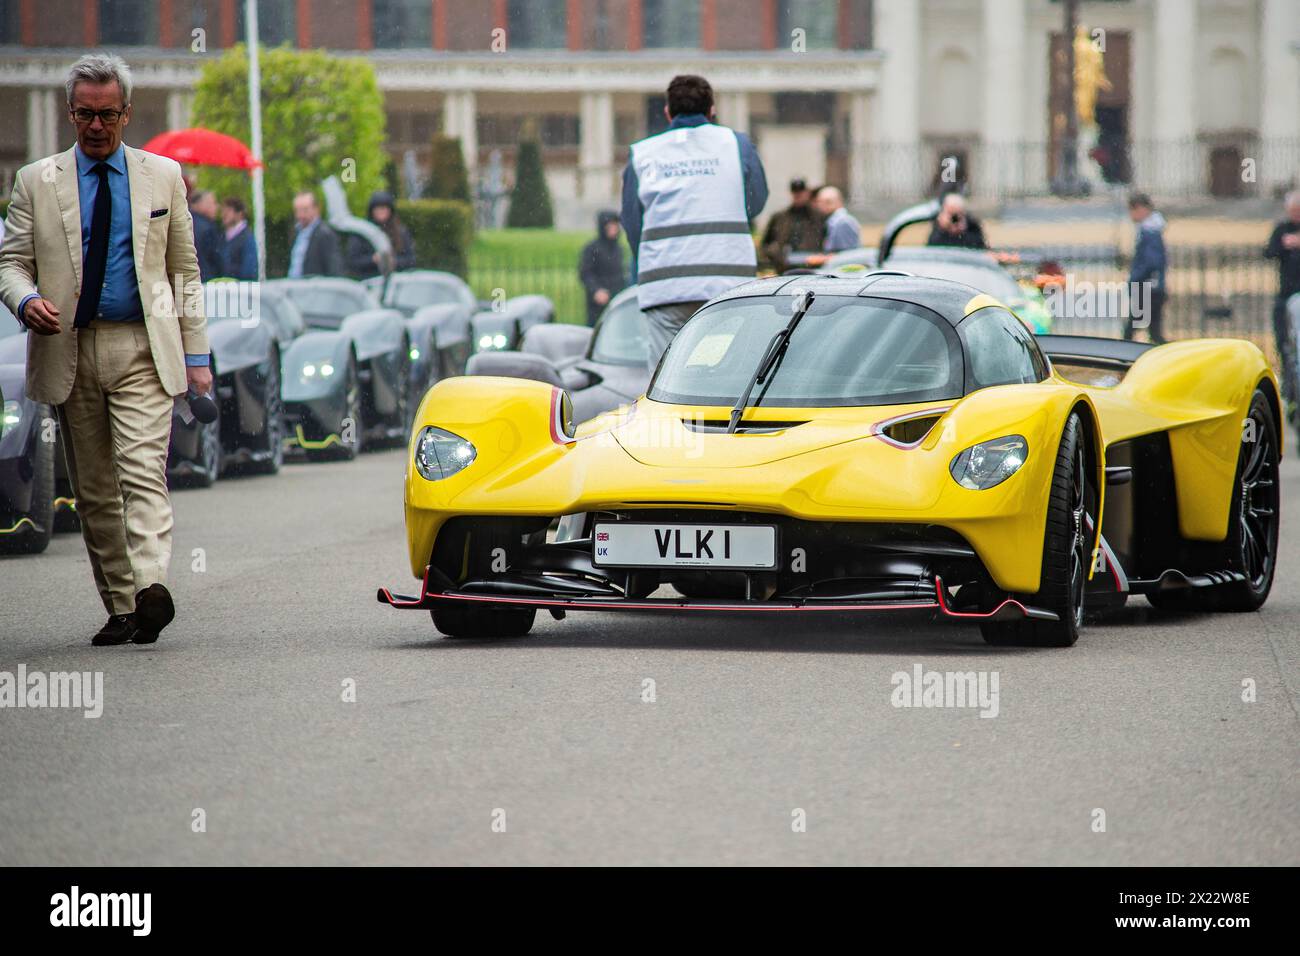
636 545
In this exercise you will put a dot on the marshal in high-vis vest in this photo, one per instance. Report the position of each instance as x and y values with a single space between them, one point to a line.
689 194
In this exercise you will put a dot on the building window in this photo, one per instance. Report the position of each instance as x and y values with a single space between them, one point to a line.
537 24
128 23
277 22
818 19
671 24
11 31
403 24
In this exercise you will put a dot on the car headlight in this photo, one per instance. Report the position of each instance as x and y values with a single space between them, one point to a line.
499 340
12 415
485 342
440 454
990 462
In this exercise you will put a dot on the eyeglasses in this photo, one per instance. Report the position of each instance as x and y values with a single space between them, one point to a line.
85 117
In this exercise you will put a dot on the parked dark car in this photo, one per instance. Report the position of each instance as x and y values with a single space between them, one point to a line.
601 368
30 456
346 377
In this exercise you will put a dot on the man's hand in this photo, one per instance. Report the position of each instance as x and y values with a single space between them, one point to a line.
1289 241
600 296
41 316
199 378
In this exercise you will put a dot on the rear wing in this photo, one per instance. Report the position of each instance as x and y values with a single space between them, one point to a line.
1092 351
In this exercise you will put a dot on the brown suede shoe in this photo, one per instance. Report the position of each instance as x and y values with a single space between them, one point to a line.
154 610
118 630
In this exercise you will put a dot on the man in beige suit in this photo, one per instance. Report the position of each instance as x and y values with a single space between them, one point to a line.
99 265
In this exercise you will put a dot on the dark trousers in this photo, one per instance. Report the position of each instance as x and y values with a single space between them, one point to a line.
1155 316
1284 337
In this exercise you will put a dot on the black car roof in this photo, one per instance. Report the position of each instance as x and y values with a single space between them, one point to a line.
949 299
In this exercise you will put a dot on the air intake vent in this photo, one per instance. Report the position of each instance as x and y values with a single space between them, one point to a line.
714 426
910 431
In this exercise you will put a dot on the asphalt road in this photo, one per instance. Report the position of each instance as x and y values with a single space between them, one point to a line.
238 712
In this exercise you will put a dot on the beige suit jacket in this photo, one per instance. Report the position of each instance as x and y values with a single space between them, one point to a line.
42 253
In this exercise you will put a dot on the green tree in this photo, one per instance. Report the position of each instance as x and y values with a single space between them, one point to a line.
530 200
449 179
321 116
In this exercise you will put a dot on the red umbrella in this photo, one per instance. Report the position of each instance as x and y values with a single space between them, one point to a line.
202 147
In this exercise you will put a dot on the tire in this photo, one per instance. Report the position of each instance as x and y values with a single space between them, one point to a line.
209 466
1066 553
273 430
482 620
34 536
1253 524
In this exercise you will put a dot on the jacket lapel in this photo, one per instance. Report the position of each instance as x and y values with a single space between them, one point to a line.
140 178
69 200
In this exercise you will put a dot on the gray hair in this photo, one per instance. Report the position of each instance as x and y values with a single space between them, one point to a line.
100 68
1292 199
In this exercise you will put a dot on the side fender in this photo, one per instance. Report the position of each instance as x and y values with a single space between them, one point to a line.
1005 524
1202 390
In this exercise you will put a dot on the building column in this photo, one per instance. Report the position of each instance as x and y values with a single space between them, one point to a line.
999 165
178 109
1279 92
460 119
596 147
43 112
733 110
895 157
1177 166
859 103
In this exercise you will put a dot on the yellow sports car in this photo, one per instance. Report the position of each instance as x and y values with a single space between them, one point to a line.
876 443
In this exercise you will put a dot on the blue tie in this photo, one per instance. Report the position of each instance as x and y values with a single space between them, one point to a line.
92 270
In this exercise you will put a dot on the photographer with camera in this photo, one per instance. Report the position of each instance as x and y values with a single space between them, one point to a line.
954 226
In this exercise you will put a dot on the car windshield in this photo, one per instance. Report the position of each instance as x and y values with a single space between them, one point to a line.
621 338
847 351
325 307
990 279
417 293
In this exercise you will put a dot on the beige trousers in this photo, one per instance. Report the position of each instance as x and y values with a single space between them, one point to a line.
116 426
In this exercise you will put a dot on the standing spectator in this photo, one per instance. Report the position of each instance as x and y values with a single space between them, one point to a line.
842 230
601 267
954 226
1284 246
315 249
363 259
1146 277
240 256
207 234
116 335
689 194
797 228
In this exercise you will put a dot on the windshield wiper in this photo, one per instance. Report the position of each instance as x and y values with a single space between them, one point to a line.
771 357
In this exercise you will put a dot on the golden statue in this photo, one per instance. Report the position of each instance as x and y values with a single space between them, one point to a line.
1089 76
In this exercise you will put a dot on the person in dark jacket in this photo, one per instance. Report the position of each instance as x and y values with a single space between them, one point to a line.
315 250
240 253
800 227
1284 246
601 267
1146 276
207 234
363 260
954 226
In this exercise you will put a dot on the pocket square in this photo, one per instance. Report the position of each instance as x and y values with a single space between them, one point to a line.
157 213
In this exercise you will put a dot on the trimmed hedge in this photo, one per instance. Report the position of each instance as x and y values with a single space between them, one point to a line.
441 230
530 200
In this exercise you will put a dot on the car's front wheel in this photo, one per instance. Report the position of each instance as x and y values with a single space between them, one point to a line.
29 532
1066 553
479 553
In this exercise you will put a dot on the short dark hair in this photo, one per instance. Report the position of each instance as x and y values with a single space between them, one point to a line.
689 94
235 205
1140 199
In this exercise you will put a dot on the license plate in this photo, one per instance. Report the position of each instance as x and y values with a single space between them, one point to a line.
631 544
